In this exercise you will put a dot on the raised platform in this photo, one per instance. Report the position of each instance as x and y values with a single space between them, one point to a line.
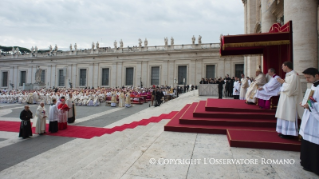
245 125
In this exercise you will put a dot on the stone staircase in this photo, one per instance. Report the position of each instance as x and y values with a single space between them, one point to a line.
108 156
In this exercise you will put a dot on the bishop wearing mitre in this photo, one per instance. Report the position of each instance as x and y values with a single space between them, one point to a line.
289 110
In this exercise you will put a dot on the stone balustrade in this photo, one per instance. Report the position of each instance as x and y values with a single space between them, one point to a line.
104 50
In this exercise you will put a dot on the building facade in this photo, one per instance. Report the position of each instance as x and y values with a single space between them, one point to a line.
170 65
260 15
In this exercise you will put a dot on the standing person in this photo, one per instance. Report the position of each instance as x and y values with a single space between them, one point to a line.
244 86
71 113
41 121
121 99
25 126
288 109
53 117
153 95
231 87
220 83
63 114
128 100
236 88
309 128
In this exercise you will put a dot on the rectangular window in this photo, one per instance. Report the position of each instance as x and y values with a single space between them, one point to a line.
129 76
105 76
61 78
23 75
43 76
210 71
182 74
155 76
82 77
239 69
4 79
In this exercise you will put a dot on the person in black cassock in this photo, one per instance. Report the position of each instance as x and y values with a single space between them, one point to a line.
220 83
25 126
159 96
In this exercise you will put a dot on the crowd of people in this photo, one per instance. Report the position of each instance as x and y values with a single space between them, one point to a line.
291 105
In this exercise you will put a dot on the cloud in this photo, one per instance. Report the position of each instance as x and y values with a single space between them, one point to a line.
63 22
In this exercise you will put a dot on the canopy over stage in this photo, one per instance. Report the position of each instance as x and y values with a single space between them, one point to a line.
276 46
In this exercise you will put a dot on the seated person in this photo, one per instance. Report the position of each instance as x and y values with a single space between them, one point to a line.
272 88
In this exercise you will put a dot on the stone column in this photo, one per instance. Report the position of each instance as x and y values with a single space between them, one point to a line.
144 74
113 75
96 76
171 74
74 75
267 18
33 71
53 76
15 77
305 37
138 73
198 71
90 76
163 74
69 77
48 77
29 75
191 73
119 74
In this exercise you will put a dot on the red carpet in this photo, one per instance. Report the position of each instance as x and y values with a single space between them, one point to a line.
245 125
87 132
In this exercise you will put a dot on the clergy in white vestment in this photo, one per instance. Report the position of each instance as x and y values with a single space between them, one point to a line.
270 89
289 110
71 113
41 119
35 97
121 99
53 117
113 99
63 109
259 81
128 99
236 88
309 128
243 87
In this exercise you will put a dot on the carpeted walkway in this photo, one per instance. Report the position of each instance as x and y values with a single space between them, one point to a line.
87 132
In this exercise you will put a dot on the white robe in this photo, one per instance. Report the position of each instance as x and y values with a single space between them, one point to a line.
236 87
272 88
290 97
53 113
253 88
243 89
309 128
40 126
288 109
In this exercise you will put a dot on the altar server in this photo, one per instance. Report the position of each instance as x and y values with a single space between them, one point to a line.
309 128
289 109
236 89
53 117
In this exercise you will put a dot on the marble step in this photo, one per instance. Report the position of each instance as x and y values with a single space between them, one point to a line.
81 157
115 164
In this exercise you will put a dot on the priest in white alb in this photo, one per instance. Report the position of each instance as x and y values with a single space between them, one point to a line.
243 87
309 128
41 119
270 89
259 81
289 110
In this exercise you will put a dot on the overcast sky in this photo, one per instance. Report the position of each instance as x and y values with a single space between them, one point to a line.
29 23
